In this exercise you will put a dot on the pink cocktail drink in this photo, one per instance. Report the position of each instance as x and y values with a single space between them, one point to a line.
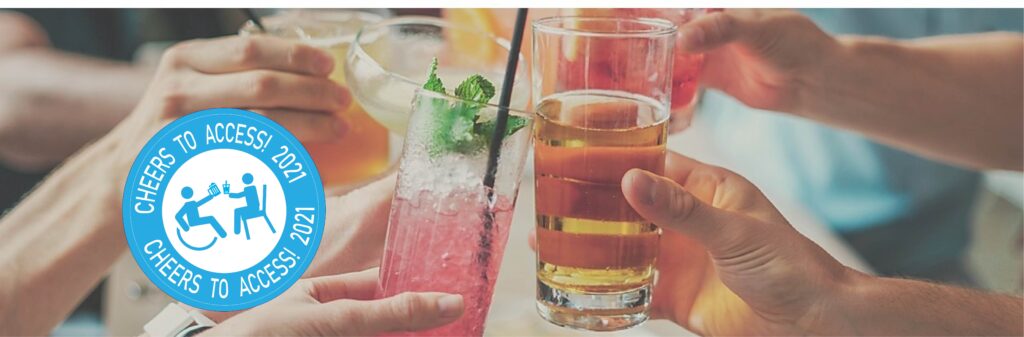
450 250
447 231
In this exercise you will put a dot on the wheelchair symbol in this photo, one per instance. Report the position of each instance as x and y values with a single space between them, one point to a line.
188 216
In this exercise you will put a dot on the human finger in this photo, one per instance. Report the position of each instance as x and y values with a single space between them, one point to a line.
255 89
665 203
308 126
403 312
360 285
240 53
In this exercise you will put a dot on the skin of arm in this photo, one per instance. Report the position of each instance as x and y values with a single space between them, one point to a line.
870 305
955 98
52 102
57 248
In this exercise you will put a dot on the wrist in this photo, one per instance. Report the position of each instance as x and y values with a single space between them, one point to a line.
125 141
845 74
96 167
812 80
846 303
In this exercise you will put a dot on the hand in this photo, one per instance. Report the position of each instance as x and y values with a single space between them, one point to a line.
730 264
761 57
342 305
355 228
285 80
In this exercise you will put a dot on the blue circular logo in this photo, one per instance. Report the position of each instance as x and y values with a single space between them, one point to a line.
223 209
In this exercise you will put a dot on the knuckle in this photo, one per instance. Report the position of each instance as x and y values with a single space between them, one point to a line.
343 95
23 28
353 322
724 177
682 205
295 55
247 51
172 104
716 175
723 25
263 84
172 98
405 306
307 287
174 56
328 91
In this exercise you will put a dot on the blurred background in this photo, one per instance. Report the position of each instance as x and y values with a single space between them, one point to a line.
67 76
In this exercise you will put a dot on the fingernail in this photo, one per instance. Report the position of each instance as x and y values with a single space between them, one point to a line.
450 306
345 97
692 37
324 64
340 127
645 183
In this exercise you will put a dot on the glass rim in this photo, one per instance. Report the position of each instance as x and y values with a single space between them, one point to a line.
330 15
433 94
288 18
658 27
357 46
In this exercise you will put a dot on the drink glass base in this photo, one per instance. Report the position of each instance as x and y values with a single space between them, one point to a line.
593 311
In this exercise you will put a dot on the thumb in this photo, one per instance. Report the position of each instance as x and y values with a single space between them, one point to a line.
403 312
666 204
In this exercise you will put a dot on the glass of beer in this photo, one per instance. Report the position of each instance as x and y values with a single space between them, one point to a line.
600 114
364 151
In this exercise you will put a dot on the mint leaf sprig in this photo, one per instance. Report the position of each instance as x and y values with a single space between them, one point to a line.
457 127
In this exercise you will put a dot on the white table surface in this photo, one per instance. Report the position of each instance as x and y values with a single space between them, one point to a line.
513 312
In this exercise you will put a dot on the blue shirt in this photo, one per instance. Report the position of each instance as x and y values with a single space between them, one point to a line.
916 211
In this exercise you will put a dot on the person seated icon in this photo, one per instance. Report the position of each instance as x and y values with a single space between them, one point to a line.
252 204
188 215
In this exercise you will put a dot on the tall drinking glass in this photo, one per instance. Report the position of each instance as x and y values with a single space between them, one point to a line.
447 231
599 114
363 151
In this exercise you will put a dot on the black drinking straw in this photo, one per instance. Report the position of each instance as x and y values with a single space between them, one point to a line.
252 17
501 123
483 256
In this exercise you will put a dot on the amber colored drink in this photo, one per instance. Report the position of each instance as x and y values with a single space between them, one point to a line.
590 241
362 152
